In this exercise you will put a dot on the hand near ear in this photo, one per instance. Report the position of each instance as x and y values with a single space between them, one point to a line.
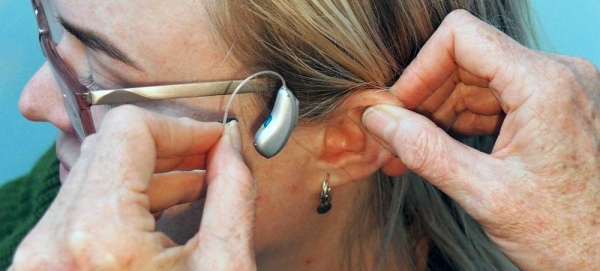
537 193
101 219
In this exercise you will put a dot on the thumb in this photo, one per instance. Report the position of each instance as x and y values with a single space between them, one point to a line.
461 172
227 227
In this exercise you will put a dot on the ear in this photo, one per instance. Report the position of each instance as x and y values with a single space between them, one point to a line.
349 152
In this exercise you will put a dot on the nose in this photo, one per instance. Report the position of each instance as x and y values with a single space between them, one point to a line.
41 100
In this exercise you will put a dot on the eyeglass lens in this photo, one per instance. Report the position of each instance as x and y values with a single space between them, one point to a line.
57 32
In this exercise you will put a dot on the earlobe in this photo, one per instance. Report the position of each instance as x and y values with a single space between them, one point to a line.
394 167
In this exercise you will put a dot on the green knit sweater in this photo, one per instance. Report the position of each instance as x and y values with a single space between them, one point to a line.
23 201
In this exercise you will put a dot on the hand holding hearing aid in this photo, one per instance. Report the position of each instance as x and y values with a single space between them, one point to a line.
130 170
102 217
536 194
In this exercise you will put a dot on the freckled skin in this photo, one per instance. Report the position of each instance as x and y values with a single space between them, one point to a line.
173 42
537 194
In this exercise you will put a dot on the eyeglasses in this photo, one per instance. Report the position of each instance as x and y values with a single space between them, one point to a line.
78 98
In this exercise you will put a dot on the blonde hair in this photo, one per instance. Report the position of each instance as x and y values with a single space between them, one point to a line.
327 49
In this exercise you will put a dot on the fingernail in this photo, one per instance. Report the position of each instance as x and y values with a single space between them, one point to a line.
379 120
227 120
234 134
231 119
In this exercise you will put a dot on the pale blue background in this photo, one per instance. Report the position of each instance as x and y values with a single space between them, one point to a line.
572 27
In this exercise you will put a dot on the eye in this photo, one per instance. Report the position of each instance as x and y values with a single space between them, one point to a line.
89 82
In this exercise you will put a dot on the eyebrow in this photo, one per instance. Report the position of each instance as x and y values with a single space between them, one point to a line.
97 42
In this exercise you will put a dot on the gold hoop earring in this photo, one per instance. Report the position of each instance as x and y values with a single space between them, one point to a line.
325 200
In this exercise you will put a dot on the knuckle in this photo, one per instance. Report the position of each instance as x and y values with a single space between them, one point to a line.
420 154
76 242
458 15
457 19
85 250
582 64
127 122
574 69
25 258
465 20
587 69
128 113
31 255
565 73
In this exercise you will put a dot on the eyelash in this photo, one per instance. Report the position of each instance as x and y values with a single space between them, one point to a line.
89 82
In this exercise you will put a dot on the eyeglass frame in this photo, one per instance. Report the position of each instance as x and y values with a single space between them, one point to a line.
86 98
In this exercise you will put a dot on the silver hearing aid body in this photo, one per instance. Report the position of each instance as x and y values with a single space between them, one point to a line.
274 133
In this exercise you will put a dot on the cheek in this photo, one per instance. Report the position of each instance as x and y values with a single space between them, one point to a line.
284 209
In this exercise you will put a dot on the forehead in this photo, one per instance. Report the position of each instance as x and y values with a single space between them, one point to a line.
163 36
132 12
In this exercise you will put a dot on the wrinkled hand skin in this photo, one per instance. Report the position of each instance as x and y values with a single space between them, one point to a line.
101 218
538 194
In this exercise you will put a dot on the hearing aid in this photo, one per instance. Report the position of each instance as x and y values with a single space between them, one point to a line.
274 133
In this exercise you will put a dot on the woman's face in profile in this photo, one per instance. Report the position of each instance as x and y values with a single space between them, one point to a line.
138 43
118 44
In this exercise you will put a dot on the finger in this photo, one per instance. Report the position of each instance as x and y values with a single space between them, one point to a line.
478 101
173 188
145 136
431 153
175 137
436 99
463 48
171 137
185 163
482 102
119 160
470 124
227 227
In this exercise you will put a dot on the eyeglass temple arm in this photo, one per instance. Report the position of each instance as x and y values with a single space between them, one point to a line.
153 93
